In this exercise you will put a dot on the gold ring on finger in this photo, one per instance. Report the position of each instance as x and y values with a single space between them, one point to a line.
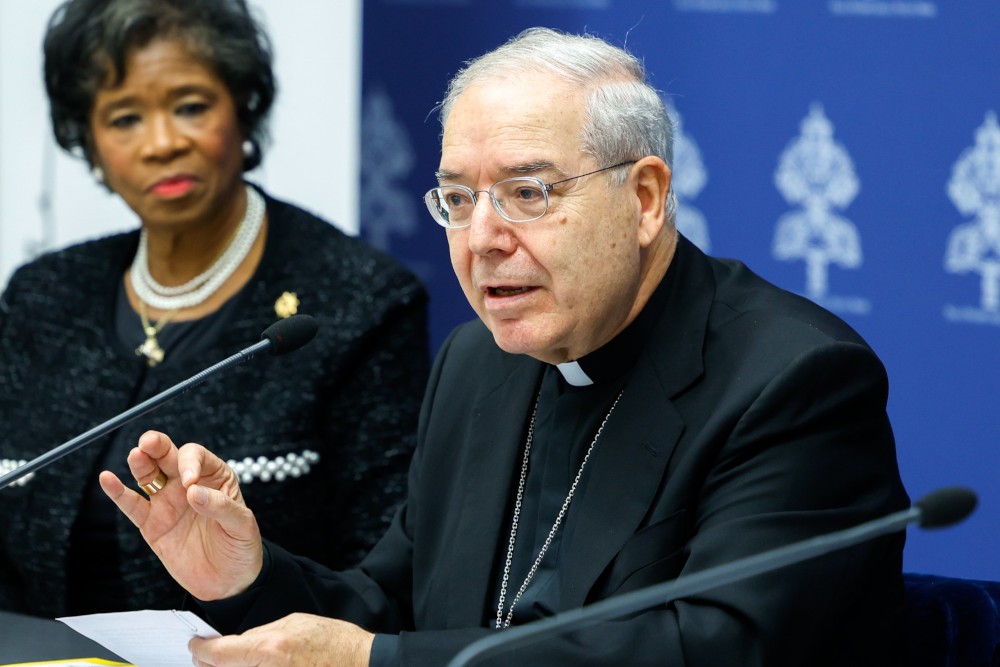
158 483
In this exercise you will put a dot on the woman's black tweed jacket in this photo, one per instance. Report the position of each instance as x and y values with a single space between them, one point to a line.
351 396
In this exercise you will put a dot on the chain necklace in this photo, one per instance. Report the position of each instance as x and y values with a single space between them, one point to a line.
151 347
502 622
204 285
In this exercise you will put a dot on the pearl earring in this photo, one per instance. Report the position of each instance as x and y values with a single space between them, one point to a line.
98 174
248 148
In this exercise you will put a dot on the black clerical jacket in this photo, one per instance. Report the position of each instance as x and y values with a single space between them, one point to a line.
752 419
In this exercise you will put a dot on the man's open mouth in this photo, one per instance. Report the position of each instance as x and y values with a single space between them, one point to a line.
508 291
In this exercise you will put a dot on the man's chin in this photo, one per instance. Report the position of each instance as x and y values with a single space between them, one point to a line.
512 341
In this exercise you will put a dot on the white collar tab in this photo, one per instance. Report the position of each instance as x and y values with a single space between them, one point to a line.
574 374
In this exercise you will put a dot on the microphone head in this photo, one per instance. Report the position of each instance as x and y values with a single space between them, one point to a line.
290 333
946 506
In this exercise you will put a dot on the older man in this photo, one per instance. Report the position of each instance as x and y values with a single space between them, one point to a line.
627 411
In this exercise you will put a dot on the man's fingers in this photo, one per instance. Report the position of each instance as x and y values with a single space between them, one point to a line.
155 444
191 460
234 517
132 505
196 464
147 474
152 461
160 450
221 651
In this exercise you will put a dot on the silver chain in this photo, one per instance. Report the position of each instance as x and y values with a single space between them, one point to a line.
503 623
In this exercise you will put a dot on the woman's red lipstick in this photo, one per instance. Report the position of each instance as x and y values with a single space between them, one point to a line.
174 186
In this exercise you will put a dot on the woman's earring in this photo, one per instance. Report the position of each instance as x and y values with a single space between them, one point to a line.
248 149
98 174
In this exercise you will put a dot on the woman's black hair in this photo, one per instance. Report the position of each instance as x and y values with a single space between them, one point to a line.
88 41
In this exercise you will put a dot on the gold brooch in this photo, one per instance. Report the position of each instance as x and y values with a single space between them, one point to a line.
286 305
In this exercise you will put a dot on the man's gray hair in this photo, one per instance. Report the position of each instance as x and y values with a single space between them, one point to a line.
625 117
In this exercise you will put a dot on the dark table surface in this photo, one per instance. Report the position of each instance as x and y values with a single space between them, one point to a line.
33 639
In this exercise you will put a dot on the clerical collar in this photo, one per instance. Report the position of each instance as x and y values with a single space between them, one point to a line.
574 374
617 356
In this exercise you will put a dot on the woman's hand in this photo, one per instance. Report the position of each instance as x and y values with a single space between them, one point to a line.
197 523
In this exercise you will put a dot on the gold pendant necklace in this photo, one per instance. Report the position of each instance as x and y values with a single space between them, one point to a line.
150 348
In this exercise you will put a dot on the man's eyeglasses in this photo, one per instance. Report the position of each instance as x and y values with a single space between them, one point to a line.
519 199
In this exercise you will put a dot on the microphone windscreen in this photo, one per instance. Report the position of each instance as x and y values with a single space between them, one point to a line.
946 506
290 333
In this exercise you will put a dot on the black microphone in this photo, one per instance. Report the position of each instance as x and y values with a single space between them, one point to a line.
280 338
937 509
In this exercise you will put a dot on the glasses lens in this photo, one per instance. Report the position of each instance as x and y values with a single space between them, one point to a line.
451 205
520 199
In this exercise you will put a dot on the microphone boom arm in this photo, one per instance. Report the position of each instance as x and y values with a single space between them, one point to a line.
281 337
699 581
132 413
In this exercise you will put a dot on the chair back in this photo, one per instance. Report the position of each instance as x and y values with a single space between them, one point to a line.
952 622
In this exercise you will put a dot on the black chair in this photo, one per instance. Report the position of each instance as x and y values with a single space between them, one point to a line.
952 622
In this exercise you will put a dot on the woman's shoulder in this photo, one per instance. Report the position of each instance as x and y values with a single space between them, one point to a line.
77 264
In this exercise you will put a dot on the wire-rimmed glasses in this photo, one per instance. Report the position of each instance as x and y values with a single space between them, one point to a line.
518 199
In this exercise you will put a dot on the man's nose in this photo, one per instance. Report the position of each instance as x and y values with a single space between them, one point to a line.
488 230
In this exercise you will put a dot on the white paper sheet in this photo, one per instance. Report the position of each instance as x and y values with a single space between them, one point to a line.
147 638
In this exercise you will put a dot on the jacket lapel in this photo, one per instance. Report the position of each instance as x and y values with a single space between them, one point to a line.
626 469
496 436
629 463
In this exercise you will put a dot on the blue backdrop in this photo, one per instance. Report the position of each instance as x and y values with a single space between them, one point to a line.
847 150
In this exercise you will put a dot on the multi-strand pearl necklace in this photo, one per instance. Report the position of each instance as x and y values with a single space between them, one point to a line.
204 285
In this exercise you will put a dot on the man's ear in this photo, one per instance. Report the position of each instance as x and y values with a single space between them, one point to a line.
652 186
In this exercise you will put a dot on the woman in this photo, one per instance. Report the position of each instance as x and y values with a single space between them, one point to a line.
166 100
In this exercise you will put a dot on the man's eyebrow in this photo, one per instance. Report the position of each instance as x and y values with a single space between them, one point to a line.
445 175
525 169
529 168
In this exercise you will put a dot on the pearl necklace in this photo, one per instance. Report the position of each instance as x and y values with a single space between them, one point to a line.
204 285
503 623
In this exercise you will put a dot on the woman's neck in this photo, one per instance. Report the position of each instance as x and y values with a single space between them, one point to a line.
175 256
